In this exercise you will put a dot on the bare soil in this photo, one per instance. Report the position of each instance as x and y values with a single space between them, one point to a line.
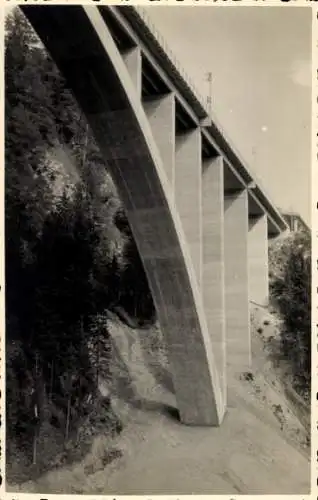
262 446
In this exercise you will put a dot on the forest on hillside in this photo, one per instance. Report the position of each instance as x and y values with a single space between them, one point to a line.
70 255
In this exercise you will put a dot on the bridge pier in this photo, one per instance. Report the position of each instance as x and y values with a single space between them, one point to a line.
258 259
160 111
187 189
236 280
213 260
132 60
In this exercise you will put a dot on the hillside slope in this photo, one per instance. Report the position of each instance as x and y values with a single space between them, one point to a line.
261 447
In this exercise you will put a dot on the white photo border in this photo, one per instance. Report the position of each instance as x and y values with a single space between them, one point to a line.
310 4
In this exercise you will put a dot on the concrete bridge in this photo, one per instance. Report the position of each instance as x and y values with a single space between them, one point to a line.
200 219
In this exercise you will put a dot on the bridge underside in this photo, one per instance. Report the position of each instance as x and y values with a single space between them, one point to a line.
201 232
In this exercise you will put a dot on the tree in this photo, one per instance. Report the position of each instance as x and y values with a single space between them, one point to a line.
135 295
70 260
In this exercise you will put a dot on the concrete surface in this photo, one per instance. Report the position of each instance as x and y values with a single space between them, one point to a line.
258 260
238 342
160 111
188 197
213 285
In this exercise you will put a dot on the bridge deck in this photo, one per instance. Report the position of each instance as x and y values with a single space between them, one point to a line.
152 41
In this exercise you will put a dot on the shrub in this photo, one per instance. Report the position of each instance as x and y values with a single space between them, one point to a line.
291 292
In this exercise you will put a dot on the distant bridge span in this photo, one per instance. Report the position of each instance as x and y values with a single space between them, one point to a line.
200 220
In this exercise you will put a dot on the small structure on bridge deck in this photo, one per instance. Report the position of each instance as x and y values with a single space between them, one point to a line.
295 222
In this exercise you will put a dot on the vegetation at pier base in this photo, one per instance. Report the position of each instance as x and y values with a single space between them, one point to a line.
290 272
70 256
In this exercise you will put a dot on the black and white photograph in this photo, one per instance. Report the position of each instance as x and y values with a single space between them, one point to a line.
157 248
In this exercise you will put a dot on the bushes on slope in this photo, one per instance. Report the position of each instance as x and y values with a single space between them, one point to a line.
290 262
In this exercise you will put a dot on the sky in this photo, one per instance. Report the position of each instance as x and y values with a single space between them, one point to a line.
260 60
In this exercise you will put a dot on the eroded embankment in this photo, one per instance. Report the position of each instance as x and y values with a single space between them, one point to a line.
261 447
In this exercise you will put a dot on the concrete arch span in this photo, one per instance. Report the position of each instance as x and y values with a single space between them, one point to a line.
95 70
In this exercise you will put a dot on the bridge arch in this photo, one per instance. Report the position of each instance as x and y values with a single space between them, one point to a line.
94 68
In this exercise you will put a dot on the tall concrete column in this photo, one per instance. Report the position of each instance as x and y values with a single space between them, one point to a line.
236 281
258 259
160 111
188 196
132 60
213 261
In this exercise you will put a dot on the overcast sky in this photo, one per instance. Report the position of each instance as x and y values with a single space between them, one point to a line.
260 59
